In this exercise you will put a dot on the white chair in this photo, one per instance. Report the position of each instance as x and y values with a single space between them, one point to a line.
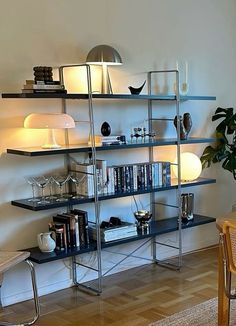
9 260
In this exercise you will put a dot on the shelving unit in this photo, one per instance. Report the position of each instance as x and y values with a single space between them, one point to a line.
156 227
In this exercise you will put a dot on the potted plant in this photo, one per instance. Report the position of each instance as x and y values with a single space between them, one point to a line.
224 149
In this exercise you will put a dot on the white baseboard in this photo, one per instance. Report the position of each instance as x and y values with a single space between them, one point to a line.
42 290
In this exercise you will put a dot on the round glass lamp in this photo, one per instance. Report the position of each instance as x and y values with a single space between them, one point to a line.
104 55
49 121
190 167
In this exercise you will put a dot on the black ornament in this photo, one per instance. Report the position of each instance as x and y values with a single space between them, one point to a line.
105 129
136 91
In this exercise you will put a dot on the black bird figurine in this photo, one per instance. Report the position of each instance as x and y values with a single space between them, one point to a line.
136 91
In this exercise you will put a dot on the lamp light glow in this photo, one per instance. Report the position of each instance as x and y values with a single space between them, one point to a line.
49 121
104 55
190 167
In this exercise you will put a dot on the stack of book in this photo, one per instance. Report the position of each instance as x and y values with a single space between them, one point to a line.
113 140
71 229
32 86
125 230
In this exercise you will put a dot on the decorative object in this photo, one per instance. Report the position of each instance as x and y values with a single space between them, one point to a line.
136 91
191 166
42 73
143 217
224 148
105 129
49 121
187 122
104 55
45 242
141 133
185 125
187 201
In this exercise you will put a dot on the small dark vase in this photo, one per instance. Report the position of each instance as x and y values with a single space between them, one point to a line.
187 121
105 129
183 133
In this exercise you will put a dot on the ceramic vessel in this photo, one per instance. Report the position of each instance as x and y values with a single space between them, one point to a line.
45 242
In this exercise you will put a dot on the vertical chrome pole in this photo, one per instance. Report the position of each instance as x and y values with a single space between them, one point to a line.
150 127
179 170
96 200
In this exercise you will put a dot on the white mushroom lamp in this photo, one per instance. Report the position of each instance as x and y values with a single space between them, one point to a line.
49 121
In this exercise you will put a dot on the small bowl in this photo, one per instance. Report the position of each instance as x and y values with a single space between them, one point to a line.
143 217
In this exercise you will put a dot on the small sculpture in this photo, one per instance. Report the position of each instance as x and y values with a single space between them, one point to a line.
136 91
185 125
105 129
187 121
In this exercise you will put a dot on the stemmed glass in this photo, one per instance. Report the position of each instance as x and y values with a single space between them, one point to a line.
42 182
51 196
77 180
32 182
61 180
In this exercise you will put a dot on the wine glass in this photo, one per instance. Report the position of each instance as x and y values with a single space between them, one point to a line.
77 181
42 182
32 182
61 180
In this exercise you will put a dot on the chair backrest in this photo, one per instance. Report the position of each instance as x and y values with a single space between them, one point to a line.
229 232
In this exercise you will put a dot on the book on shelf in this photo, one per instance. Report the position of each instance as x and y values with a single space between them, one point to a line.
71 229
82 217
42 82
125 230
49 91
86 186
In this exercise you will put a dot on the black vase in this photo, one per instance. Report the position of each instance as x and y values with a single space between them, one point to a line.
105 129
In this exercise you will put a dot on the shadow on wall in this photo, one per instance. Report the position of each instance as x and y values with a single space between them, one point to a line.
18 236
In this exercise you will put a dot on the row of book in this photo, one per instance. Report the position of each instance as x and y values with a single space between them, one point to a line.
32 86
122 178
70 229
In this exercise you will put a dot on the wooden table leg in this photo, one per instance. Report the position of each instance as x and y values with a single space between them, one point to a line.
223 300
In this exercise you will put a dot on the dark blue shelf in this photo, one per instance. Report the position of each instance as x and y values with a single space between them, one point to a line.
83 148
108 96
25 203
155 228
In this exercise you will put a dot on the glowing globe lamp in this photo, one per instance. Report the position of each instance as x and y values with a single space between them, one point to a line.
190 167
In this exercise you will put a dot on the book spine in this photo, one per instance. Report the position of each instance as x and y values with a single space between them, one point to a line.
135 177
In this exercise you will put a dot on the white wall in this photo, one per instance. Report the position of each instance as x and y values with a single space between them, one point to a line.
149 35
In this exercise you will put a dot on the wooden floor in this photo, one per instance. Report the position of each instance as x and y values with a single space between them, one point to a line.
135 297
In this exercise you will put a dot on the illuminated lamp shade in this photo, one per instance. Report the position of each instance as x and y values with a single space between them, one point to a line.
191 167
49 121
104 55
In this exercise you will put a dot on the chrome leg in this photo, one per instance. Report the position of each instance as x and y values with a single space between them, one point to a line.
36 300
